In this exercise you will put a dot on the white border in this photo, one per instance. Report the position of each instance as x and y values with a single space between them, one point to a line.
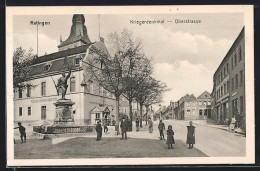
249 78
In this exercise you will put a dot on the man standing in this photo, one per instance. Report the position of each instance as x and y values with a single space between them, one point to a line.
22 132
99 130
150 125
124 128
137 124
161 128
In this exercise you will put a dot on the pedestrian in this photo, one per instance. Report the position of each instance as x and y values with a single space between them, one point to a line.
99 130
137 124
150 122
105 126
232 124
113 122
170 138
123 128
22 132
161 128
190 135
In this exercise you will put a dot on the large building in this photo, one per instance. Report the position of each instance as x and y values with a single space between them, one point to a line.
229 84
92 102
191 108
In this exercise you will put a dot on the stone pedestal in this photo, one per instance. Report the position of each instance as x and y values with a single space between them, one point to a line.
64 116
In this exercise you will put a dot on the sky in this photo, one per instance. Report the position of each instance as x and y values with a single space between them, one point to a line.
185 55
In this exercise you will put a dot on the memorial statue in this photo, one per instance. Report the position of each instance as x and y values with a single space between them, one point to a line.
62 83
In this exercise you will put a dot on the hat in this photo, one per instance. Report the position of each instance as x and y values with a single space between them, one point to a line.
169 126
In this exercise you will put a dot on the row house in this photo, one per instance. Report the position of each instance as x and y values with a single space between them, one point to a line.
229 83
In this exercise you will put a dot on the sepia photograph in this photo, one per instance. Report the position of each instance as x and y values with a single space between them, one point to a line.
135 85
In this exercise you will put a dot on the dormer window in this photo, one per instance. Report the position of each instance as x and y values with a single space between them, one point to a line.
77 61
47 67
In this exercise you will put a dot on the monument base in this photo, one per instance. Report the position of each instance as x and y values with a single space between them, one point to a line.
64 116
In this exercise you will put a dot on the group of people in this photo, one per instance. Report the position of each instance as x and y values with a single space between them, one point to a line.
170 135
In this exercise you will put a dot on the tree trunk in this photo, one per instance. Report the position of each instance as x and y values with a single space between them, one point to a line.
131 114
147 108
141 115
117 109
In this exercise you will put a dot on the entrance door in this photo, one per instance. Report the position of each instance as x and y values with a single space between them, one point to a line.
43 113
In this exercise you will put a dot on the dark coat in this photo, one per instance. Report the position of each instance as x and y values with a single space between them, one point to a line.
137 123
161 126
124 126
190 135
170 138
150 123
98 127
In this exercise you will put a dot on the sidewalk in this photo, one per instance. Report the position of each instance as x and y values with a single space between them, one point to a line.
210 123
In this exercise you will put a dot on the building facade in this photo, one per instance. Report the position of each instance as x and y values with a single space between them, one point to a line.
191 108
91 100
229 84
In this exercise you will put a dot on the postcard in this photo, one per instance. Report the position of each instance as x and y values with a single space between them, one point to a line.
130 85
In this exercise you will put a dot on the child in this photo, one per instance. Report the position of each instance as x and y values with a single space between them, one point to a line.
22 132
170 138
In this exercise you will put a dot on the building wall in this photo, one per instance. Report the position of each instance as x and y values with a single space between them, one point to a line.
193 107
223 106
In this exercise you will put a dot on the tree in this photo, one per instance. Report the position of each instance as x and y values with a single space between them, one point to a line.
140 70
22 60
112 67
150 92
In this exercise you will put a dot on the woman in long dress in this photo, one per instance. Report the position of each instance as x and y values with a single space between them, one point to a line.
190 135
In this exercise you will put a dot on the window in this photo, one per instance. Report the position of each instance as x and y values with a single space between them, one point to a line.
240 54
232 84
225 90
241 104
72 84
43 91
97 115
221 75
221 91
188 104
235 59
188 112
29 111
241 78
205 112
224 71
77 61
43 112
205 103
20 91
193 111
194 103
227 86
227 68
200 103
28 91
209 102
20 111
236 81
47 67
232 63
234 106
200 112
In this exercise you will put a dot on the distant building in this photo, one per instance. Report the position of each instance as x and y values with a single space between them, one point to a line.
204 105
191 108
229 84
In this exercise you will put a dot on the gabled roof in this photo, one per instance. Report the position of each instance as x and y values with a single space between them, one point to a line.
205 95
191 98
100 109
61 54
